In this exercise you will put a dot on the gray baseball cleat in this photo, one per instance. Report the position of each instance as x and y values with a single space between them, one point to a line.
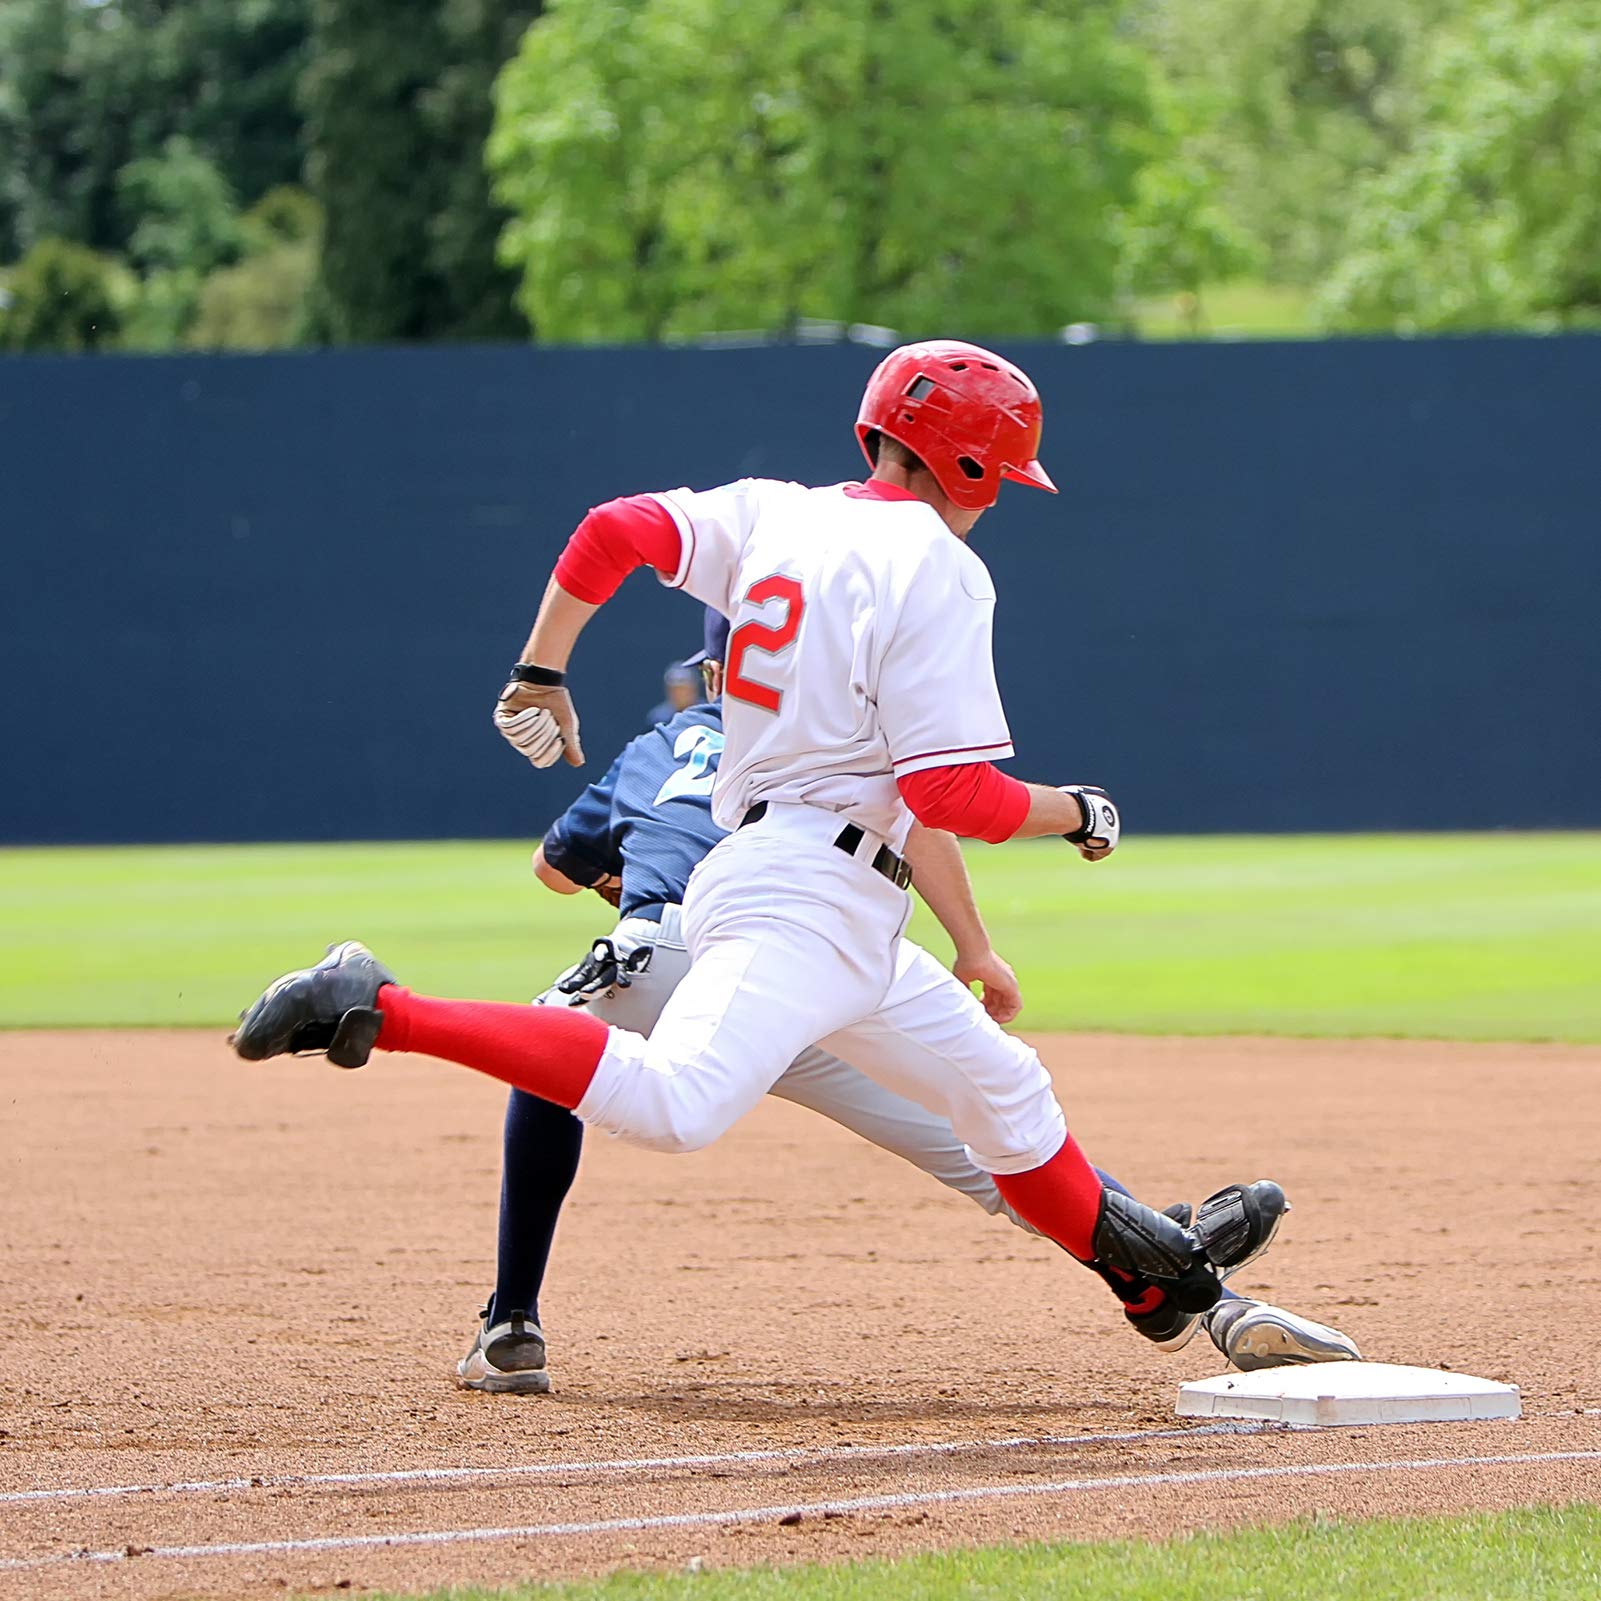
508 1359
331 1008
1254 1334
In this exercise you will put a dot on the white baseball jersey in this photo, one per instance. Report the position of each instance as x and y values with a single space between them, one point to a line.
859 649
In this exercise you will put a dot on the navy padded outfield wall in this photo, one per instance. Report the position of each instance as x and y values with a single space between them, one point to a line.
1344 586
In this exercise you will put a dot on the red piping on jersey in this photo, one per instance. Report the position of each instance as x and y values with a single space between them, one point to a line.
612 541
955 750
877 489
974 799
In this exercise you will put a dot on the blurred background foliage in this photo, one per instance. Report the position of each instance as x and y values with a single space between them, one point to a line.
254 174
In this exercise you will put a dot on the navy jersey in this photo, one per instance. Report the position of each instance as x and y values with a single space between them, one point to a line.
649 820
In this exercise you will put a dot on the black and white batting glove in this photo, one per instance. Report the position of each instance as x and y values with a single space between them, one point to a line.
1098 833
602 971
611 964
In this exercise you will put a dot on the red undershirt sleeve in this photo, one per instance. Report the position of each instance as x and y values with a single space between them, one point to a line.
612 541
976 800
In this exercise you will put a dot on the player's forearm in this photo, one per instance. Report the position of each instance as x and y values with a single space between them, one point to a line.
977 801
1050 811
552 877
561 620
939 875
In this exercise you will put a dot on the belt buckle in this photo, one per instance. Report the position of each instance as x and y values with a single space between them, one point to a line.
895 868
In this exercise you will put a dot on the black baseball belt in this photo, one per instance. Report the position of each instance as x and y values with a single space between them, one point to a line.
895 868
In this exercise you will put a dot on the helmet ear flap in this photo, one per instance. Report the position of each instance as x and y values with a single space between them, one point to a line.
985 481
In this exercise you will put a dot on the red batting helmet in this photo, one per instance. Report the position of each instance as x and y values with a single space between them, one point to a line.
970 417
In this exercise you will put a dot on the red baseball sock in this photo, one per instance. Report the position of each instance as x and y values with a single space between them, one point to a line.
1062 1199
550 1051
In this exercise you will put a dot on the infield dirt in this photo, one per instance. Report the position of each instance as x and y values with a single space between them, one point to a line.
216 1271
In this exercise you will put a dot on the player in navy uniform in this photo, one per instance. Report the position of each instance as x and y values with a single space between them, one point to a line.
681 689
635 837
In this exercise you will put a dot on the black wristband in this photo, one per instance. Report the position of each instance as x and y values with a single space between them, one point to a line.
527 673
1078 835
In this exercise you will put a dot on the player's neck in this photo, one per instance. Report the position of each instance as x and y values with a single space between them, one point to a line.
920 482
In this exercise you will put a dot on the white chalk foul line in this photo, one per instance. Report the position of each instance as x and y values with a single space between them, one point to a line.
865 1503
627 1464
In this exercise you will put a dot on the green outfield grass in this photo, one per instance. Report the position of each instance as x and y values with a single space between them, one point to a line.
1455 936
1244 309
1550 1553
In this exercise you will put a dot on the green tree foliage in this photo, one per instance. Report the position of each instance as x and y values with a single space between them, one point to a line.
62 297
184 225
1177 234
260 302
371 63
89 86
1493 218
480 37
1290 103
180 210
680 166
397 109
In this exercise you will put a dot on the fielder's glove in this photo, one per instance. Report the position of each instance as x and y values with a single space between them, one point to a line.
535 715
1097 835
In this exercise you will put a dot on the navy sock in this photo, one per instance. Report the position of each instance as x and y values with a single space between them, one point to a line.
540 1161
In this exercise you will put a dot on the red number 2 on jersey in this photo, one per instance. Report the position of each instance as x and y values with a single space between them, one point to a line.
761 636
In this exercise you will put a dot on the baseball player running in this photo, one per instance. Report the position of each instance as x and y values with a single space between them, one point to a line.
634 836
860 697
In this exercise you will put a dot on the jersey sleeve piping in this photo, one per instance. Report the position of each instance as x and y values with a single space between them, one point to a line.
998 751
686 555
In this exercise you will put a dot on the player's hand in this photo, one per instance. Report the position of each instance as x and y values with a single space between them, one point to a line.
1001 993
1101 828
541 721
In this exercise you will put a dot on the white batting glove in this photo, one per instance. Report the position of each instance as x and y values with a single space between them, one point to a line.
533 732
1097 835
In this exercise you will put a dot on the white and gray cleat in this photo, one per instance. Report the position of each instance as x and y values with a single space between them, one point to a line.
1255 1334
506 1359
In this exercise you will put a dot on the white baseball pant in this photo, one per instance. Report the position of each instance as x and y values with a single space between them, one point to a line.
794 943
816 1080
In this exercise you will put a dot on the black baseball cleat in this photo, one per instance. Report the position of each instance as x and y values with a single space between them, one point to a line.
1189 1258
1168 1328
331 1008
1237 1224
1234 1227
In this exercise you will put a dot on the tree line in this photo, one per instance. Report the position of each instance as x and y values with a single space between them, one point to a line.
266 173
